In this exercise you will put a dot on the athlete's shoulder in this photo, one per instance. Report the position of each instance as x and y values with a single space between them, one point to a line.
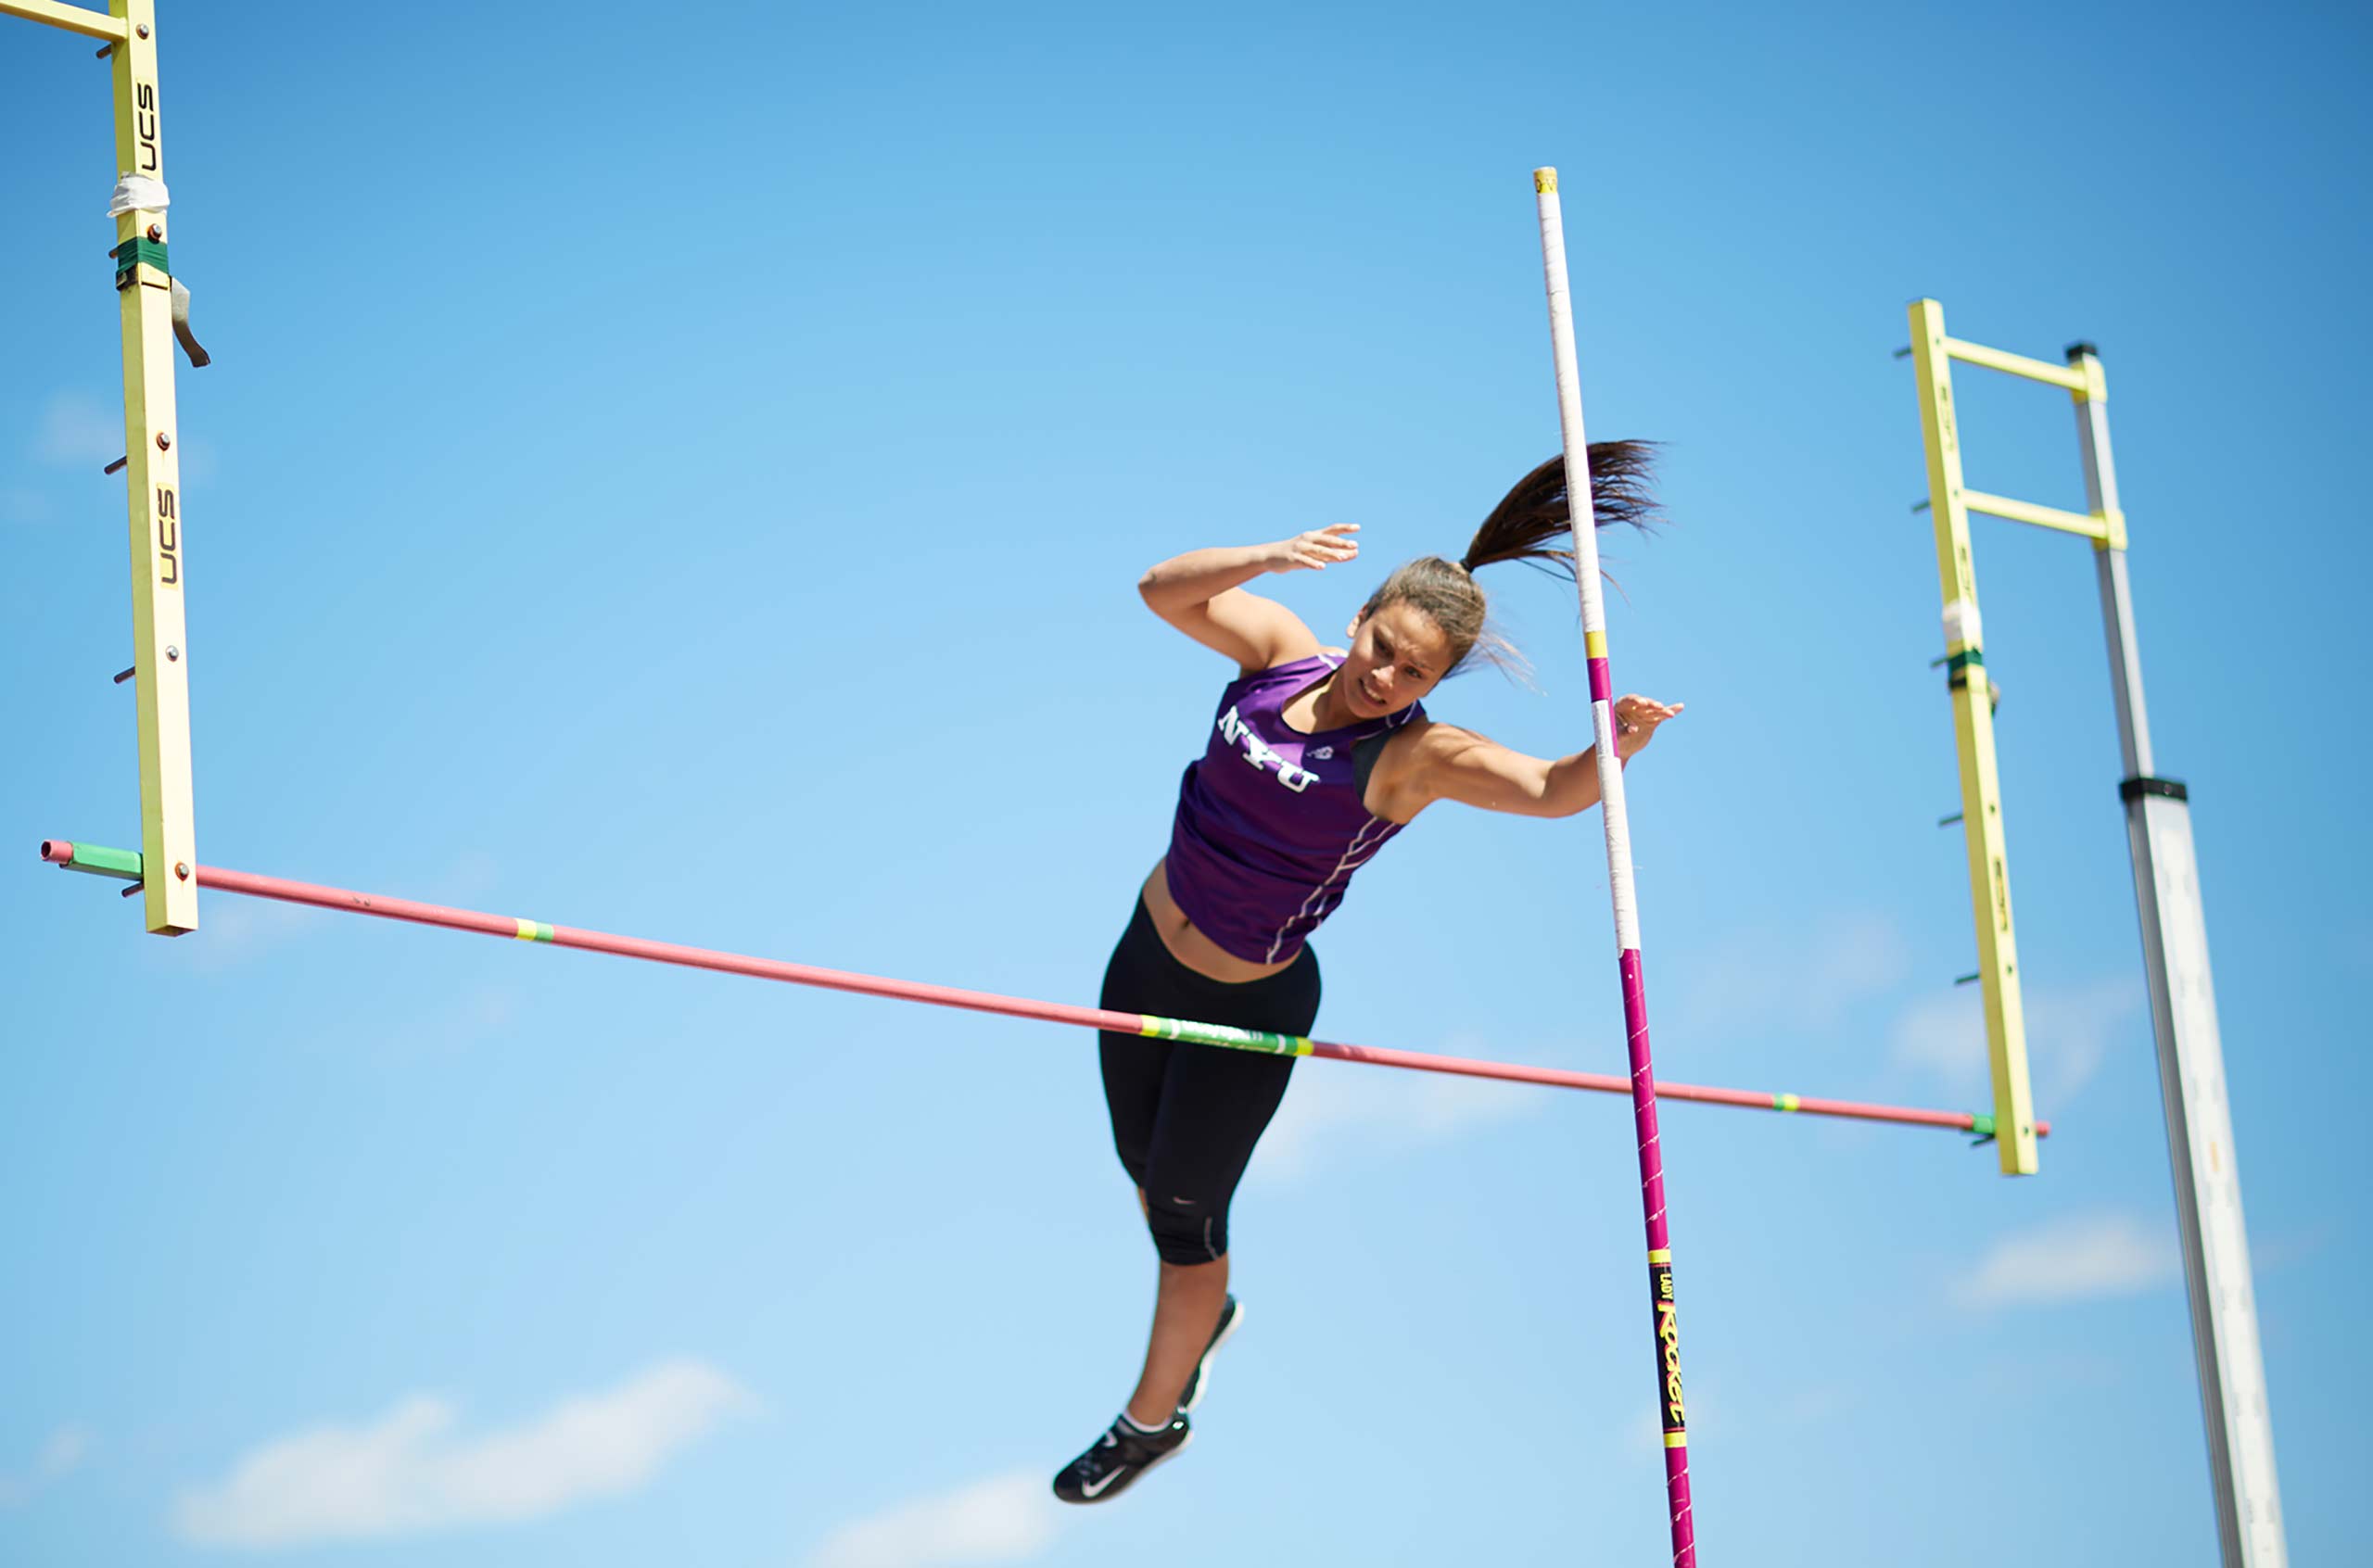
1302 665
1425 743
1424 739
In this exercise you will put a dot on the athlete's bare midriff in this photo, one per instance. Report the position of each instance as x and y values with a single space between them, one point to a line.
1190 946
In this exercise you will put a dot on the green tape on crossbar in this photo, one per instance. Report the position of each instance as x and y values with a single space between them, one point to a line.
1221 1034
101 861
138 252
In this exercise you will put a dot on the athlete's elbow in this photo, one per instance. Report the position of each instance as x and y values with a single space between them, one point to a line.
1570 786
1572 803
1527 799
1527 803
1150 588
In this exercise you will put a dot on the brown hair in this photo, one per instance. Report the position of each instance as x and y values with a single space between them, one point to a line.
1532 515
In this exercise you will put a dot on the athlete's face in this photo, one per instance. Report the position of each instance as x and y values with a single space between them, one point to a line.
1396 655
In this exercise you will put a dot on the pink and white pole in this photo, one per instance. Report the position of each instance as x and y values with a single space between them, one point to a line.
1618 868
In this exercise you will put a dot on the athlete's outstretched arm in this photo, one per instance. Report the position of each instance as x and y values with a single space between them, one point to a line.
1200 593
1451 763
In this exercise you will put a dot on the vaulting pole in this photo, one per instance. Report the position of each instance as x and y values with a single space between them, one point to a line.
1664 1308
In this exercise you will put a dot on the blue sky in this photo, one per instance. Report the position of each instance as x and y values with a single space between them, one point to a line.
688 481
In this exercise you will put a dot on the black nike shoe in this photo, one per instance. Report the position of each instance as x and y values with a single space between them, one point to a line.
1113 1465
1231 1319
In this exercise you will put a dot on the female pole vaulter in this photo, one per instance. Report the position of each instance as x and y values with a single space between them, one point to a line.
1316 758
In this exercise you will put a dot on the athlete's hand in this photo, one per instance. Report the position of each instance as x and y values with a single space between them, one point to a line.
1636 718
1317 549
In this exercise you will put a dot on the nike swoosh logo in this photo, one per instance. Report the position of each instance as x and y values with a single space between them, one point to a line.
1097 1490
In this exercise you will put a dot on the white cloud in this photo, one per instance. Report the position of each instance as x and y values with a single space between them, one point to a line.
2070 1030
61 1453
2077 1259
1006 1519
1844 960
1645 1431
1712 1417
408 1472
230 931
2292 1247
467 878
75 429
1944 1033
486 1009
1335 1104
473 1018
1807 975
2075 1026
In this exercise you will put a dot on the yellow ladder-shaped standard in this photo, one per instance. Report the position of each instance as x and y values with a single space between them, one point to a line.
1949 503
2167 898
144 291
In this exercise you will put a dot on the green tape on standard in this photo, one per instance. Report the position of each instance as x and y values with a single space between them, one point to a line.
1981 1125
138 252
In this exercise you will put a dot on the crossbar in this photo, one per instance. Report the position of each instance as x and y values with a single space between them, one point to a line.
125 865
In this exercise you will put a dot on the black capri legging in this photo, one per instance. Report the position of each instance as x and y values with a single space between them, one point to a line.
1185 1117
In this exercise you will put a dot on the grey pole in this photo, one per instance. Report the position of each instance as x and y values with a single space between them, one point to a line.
2191 1059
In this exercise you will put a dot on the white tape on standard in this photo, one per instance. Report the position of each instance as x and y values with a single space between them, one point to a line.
139 193
1962 624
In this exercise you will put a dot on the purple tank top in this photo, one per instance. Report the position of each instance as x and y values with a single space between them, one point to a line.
1270 824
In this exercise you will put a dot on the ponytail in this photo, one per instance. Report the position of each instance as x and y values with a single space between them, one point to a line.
1524 527
1537 511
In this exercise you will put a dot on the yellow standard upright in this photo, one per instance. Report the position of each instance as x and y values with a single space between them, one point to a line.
144 284
1990 874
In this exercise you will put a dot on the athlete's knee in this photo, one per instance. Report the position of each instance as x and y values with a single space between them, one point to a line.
1187 1229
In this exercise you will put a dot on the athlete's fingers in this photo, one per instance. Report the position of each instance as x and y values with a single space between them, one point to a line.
1321 547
